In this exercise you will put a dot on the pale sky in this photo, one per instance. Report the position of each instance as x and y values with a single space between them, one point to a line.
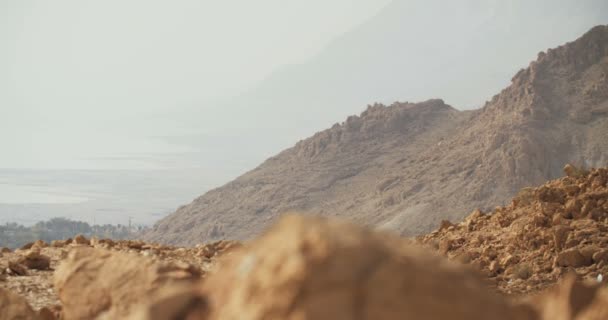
78 79
132 84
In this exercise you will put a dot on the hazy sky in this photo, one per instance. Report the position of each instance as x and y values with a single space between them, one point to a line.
111 84
82 80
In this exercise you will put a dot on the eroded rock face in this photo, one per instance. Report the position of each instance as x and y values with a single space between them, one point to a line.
14 307
101 284
312 268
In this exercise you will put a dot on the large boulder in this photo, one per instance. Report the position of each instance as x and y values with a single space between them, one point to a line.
101 284
313 268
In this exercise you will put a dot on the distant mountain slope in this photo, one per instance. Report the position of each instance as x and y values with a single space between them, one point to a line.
407 166
410 52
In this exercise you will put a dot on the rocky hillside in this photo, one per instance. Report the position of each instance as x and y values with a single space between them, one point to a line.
546 232
406 167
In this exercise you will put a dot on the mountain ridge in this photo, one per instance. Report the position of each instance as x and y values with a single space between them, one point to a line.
408 166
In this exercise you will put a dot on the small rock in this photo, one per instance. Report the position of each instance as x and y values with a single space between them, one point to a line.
572 258
573 208
494 267
570 170
80 239
445 246
445 224
17 268
588 252
560 234
40 244
133 244
36 261
57 243
509 260
601 256
27 246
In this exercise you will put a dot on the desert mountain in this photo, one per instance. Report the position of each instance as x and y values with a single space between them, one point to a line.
407 166
409 51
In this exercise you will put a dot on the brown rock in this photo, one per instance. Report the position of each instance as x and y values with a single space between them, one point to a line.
311 268
509 260
523 271
445 246
57 243
35 260
600 256
560 234
573 208
549 194
598 214
14 307
95 281
50 313
80 239
572 258
567 300
570 170
445 224
572 190
494 268
134 244
40 244
588 252
586 208
17 268
27 246
174 303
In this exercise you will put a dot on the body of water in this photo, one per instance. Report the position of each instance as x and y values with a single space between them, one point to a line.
98 196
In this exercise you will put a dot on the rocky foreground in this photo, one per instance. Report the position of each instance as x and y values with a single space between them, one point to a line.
542 257
558 228
123 267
